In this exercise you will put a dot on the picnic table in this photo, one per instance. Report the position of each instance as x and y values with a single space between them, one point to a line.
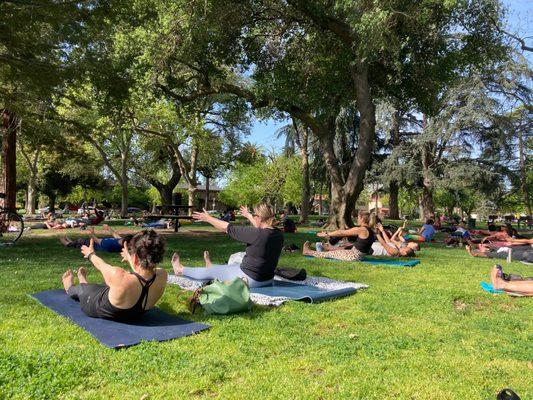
175 213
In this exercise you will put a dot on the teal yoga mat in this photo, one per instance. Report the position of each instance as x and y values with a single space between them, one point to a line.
393 262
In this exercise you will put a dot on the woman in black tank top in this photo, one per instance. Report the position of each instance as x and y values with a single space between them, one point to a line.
144 251
360 244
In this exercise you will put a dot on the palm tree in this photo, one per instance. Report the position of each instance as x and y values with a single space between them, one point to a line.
298 136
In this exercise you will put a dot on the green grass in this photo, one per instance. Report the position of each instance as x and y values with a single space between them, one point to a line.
423 333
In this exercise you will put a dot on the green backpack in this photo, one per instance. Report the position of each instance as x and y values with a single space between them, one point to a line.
223 298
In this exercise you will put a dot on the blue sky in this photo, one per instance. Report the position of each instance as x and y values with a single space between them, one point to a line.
520 21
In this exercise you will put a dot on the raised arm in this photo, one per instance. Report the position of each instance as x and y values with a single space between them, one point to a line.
112 275
248 215
112 231
391 250
205 217
383 232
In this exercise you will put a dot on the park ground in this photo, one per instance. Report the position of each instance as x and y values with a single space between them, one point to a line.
428 332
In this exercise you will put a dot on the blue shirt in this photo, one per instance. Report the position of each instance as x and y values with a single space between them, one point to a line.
428 233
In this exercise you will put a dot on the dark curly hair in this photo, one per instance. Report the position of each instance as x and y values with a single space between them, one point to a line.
149 248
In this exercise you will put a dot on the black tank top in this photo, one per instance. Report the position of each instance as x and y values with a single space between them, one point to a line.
107 310
365 245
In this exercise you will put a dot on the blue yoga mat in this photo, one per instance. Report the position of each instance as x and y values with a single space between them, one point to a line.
380 261
295 291
155 325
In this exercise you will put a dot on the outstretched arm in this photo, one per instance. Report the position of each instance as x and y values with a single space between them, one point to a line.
341 233
112 275
205 217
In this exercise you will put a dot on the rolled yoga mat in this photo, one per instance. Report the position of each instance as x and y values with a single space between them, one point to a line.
155 325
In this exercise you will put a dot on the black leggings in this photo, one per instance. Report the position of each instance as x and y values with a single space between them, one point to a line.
88 294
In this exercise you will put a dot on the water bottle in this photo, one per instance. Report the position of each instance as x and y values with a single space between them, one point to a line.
510 255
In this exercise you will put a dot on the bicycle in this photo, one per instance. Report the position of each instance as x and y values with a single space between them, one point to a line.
11 225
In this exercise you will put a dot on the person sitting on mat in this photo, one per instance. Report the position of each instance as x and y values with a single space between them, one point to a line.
110 244
125 296
362 245
511 283
263 241
425 233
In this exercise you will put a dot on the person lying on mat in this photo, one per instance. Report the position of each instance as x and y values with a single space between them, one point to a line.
518 253
390 247
112 244
501 281
425 233
263 241
362 245
125 296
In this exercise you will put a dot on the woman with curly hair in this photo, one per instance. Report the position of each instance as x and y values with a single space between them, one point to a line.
125 296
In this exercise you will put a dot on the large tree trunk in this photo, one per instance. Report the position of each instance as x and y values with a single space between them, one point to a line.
31 195
394 210
523 173
52 203
192 197
207 192
9 159
124 200
427 202
124 181
306 184
345 192
165 193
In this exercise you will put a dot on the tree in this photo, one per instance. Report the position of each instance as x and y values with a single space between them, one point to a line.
296 135
276 179
309 60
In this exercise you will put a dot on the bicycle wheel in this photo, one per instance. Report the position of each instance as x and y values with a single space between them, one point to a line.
11 227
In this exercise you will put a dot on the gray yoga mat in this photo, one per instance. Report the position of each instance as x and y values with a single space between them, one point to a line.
295 291
155 325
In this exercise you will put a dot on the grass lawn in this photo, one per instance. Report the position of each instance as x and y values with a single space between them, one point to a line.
423 333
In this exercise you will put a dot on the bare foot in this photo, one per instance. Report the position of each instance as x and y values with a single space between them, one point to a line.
306 248
495 277
64 241
176 264
82 274
207 259
68 279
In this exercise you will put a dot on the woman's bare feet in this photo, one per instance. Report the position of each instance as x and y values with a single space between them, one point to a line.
207 259
82 275
64 241
306 248
176 264
68 279
469 250
496 279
